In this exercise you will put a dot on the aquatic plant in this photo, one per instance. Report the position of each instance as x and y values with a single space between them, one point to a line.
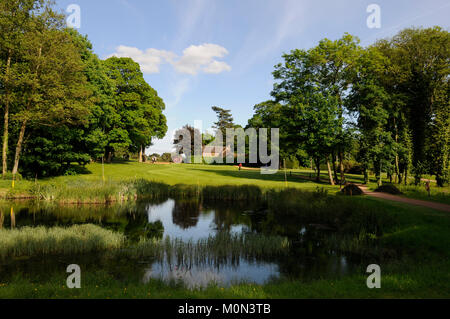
216 249
40 241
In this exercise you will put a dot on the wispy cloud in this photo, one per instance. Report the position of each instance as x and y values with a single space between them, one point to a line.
178 89
284 19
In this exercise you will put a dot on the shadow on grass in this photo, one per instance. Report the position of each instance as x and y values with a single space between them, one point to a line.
256 175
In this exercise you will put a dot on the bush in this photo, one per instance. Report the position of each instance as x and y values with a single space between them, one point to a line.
292 163
388 188
352 189
351 167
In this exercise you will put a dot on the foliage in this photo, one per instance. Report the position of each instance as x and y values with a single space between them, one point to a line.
388 188
352 189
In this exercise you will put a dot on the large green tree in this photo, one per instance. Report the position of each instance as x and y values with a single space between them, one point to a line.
312 114
420 68
52 86
138 109
16 20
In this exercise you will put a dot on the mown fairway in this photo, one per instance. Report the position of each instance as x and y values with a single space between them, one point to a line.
202 175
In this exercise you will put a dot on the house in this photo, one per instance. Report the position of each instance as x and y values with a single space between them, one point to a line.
210 151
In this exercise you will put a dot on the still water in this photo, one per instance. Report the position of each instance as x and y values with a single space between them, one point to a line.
307 258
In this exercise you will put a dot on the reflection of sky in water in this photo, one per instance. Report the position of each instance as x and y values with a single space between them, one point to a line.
187 221
163 213
202 276
255 272
205 222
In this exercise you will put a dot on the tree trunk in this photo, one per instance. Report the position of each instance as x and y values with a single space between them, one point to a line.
19 147
318 170
406 175
330 175
366 176
333 161
341 167
140 155
109 157
6 119
379 177
397 171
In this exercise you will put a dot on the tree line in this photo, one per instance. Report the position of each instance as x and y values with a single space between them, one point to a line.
385 106
61 104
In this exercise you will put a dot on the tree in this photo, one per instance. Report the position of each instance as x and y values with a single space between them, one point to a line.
52 87
224 119
270 114
370 102
419 65
332 65
187 140
312 111
15 22
139 116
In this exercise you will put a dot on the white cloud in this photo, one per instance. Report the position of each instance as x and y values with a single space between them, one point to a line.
195 58
216 67
150 60
198 58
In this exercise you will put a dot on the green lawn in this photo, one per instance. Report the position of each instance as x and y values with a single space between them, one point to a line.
202 175
190 174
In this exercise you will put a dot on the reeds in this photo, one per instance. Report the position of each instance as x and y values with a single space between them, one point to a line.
82 191
81 239
222 248
40 241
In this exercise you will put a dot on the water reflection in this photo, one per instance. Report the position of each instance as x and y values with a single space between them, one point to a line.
13 218
194 277
185 213
307 259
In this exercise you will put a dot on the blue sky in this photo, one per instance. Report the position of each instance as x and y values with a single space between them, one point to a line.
200 53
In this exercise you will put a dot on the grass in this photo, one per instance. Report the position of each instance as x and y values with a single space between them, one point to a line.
88 238
414 239
42 241
222 248
411 243
440 195
398 281
120 183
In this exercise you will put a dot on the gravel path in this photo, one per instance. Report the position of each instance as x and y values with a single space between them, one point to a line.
396 198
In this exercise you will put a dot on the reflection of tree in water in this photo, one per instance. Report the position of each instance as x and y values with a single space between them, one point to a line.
185 213
228 214
138 225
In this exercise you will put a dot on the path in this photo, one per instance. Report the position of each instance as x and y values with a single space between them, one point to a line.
401 199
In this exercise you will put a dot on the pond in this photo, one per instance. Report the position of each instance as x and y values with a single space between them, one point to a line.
307 257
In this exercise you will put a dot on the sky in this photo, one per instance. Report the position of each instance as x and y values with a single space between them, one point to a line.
202 53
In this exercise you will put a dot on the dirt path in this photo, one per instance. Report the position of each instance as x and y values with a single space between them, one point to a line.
401 199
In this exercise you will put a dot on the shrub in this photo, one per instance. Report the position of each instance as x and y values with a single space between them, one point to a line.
351 167
388 188
352 189
292 163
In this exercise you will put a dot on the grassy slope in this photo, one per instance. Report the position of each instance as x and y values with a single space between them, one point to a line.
204 175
